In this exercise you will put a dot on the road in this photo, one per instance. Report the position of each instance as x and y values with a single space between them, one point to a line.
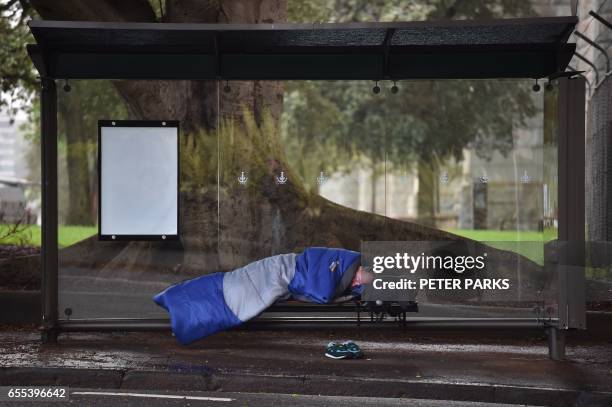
92 397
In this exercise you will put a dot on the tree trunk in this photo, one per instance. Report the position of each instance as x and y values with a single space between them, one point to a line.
373 178
425 194
77 160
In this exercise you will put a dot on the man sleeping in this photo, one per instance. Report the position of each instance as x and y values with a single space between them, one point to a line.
214 302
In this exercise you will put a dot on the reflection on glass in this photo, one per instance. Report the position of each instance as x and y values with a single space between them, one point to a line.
102 279
270 168
463 156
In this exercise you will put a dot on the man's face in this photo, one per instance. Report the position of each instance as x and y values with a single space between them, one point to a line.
362 276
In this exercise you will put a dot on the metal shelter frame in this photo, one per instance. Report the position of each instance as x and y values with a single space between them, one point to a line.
514 48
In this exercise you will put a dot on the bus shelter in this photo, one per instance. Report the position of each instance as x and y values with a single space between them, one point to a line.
531 48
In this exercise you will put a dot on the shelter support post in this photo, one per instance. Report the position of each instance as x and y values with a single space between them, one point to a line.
49 250
571 172
556 343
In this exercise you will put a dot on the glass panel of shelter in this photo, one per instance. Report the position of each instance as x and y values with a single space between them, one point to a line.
378 157
282 162
117 279
280 167
477 171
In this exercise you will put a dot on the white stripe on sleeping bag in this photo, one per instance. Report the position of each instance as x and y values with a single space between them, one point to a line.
251 289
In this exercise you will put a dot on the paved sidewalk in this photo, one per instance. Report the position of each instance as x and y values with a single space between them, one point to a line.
496 368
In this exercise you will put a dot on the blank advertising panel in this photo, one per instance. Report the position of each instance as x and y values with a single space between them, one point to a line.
138 180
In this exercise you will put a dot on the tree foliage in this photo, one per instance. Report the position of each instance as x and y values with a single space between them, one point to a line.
404 10
78 113
426 122
17 77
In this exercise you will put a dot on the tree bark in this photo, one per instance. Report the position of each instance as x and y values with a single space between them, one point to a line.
425 193
77 160
95 10
373 179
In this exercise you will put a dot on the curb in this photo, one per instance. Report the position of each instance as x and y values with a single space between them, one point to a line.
251 382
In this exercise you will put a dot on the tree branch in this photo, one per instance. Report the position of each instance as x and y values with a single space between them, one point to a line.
8 5
95 10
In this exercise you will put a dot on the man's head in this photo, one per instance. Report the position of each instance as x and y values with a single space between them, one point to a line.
362 276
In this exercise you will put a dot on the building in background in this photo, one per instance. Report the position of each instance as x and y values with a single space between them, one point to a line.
502 192
14 186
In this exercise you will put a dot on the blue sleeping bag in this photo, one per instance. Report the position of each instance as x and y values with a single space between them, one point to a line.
214 302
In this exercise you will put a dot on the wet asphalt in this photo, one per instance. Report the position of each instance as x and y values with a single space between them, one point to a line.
93 397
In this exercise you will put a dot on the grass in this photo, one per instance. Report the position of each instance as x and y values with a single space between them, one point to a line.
67 235
498 235
526 243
